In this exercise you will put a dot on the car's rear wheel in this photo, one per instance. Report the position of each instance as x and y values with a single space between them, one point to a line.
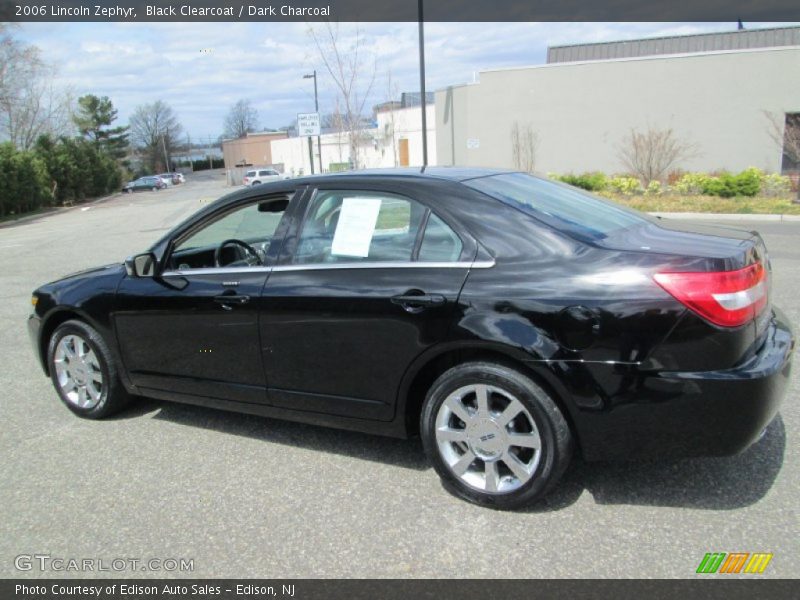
155 188
494 436
83 371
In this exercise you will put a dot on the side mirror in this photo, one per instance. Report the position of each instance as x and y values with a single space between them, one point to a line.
141 265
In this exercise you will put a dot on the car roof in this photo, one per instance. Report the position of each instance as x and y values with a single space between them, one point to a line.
447 173
441 174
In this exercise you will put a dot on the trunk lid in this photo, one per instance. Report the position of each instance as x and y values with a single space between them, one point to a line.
707 247
675 248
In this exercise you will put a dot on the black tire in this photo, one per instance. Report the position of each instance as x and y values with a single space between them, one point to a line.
113 395
556 442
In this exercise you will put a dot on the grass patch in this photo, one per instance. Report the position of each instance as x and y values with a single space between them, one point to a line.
709 204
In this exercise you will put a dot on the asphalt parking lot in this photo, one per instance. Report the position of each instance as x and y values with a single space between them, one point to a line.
249 497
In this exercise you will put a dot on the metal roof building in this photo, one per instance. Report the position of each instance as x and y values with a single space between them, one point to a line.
743 39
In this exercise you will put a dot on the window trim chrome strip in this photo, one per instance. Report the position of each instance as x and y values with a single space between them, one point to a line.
478 264
387 265
216 271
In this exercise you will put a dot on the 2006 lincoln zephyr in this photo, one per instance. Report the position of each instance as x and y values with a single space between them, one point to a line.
507 319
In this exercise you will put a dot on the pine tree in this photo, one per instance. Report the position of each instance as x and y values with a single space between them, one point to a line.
94 118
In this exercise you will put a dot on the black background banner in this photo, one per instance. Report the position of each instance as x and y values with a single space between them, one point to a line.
726 587
399 10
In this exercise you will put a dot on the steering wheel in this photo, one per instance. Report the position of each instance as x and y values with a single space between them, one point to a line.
252 260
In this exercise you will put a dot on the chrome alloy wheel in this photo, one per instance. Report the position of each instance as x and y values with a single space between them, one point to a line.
487 438
78 371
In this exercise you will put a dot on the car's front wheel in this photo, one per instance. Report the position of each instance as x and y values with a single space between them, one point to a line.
83 371
494 436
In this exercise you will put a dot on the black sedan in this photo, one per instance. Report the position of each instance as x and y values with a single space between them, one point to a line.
144 184
507 320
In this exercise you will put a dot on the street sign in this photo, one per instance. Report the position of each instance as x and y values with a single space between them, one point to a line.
307 124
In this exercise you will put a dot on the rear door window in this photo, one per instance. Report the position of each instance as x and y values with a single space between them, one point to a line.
439 242
358 226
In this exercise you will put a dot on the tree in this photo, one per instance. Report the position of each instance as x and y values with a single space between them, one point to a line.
242 119
651 154
94 118
346 66
30 105
524 144
392 92
155 131
785 132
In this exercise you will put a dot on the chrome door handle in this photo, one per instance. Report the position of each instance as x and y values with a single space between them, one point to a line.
227 300
415 303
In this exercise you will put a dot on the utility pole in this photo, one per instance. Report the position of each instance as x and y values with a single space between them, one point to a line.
316 108
166 158
422 99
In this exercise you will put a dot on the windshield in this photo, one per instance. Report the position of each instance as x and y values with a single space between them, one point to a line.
560 206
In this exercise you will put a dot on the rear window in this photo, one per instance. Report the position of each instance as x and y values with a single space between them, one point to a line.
558 205
250 174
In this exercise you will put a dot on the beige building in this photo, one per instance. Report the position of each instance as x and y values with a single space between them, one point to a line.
255 149
580 112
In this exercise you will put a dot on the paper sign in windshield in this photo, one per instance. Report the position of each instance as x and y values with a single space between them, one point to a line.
356 226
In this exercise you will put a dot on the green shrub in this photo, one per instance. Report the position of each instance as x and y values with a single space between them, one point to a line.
79 169
53 172
748 182
722 186
691 184
24 185
204 165
776 186
625 185
726 185
653 188
592 182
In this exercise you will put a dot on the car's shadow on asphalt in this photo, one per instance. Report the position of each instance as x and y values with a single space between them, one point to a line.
724 483
402 453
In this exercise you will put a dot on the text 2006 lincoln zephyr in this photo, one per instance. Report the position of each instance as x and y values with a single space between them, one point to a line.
508 320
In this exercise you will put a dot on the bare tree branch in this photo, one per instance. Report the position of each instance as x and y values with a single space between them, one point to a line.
30 104
651 154
242 119
784 130
351 78
154 129
524 145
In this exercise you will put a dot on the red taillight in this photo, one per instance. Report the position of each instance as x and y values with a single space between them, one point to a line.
727 298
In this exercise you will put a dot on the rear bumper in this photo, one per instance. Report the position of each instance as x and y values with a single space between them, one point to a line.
708 413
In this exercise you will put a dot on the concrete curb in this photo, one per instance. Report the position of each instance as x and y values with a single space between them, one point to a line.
725 216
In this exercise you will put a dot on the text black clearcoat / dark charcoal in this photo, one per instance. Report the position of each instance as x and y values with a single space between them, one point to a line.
634 372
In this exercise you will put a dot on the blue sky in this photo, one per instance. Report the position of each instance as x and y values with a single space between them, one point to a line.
136 63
